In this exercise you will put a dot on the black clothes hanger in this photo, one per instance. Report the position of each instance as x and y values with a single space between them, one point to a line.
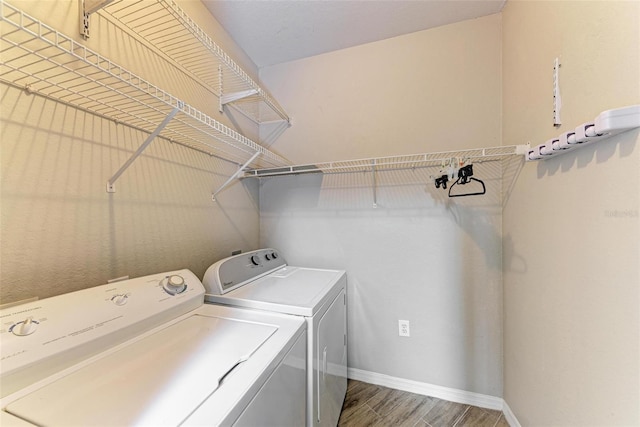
478 193
464 177
442 181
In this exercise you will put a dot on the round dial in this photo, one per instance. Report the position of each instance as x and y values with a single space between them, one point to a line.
268 257
120 299
255 259
173 284
24 328
274 255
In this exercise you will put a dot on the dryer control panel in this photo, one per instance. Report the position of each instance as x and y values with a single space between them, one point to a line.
62 330
233 272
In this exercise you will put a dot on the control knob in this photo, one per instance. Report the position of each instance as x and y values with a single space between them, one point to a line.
255 259
120 299
173 284
24 328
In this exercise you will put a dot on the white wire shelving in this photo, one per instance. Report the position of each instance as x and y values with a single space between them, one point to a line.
42 60
381 164
438 161
164 25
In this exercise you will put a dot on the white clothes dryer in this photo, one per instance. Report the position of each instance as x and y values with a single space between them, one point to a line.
148 351
262 280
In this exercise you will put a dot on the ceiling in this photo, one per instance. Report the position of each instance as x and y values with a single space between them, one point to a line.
276 31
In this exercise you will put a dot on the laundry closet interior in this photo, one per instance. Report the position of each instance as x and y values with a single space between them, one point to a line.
155 143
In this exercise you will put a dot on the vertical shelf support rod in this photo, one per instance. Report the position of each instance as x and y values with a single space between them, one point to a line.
110 184
220 89
235 175
373 175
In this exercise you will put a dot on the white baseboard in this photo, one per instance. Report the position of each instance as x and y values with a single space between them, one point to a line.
445 393
509 416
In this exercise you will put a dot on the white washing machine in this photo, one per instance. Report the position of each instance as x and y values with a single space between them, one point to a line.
148 351
262 280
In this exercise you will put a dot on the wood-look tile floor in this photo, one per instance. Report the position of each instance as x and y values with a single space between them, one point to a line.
373 405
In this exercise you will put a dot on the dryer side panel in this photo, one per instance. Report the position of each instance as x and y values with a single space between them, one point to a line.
331 381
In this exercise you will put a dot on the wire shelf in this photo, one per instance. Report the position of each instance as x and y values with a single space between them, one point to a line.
381 164
164 25
44 61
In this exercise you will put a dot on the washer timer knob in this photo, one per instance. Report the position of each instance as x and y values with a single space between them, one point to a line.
24 328
255 259
120 299
173 284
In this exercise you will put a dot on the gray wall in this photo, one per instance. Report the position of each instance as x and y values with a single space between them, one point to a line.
416 257
419 256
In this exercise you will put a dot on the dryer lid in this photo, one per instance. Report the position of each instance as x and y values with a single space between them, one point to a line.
157 380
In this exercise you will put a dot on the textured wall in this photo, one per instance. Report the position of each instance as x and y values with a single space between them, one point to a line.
571 227
61 231
419 256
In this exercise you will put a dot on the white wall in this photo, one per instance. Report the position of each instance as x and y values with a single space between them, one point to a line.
61 231
418 256
571 227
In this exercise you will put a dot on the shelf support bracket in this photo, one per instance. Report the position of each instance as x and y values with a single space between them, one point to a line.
111 183
235 175
232 97
375 184
86 8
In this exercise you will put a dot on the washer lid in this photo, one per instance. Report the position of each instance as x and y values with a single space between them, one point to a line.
289 290
157 380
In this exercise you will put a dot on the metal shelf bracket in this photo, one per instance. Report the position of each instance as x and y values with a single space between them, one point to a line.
237 173
111 183
232 97
375 184
85 9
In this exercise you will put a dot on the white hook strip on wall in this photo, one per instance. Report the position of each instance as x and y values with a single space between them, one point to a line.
607 124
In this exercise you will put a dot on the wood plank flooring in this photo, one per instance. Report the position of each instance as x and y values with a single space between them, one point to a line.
377 406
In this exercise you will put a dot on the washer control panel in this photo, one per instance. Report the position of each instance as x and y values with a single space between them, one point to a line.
113 313
233 272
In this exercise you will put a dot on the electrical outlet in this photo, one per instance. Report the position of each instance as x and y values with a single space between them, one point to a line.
403 328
